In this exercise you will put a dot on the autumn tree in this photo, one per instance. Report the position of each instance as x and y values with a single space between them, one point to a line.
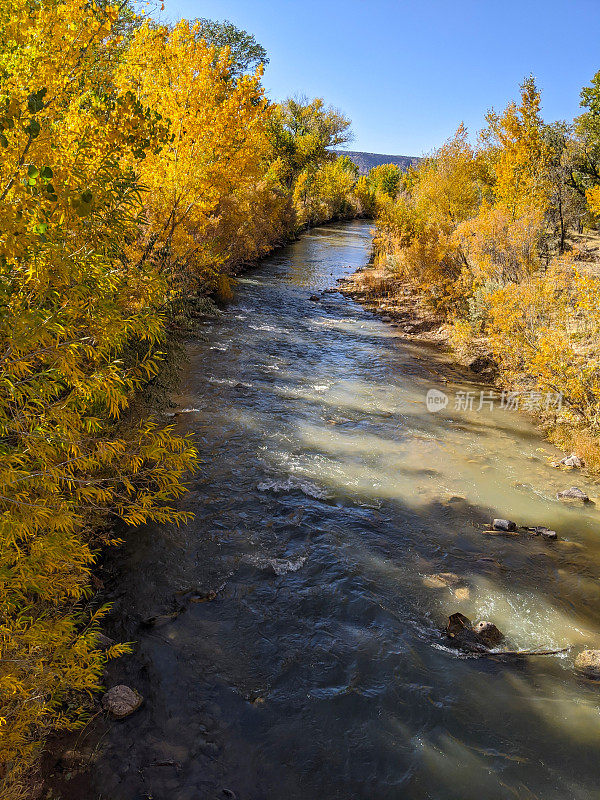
80 335
566 208
303 134
585 172
327 192
245 54
216 146
520 154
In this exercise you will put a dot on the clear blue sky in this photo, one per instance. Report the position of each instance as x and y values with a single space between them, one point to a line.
407 72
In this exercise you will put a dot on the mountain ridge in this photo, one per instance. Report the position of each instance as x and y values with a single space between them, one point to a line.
366 161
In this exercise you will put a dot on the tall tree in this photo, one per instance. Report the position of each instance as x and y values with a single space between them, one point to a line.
520 157
245 53
586 162
303 134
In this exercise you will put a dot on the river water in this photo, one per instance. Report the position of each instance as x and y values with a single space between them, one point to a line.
327 494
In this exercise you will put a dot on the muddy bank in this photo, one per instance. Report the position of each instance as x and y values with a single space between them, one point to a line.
398 304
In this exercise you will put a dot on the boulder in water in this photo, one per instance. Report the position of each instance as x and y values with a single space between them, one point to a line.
541 530
467 636
504 525
573 494
588 663
121 701
488 633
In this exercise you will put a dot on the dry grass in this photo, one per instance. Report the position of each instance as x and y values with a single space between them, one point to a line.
586 248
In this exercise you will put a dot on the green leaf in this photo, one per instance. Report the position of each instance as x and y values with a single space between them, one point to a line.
87 196
32 171
33 129
35 101
47 173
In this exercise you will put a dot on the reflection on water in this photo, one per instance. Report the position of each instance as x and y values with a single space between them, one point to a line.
327 494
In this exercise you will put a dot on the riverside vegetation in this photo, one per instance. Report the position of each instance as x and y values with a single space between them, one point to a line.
140 164
498 239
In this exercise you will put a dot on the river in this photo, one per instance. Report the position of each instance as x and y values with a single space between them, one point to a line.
326 495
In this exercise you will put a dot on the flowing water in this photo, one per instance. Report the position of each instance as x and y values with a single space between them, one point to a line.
327 494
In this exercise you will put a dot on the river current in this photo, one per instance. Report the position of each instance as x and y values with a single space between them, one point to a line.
326 498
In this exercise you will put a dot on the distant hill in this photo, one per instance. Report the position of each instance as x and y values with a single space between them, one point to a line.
366 161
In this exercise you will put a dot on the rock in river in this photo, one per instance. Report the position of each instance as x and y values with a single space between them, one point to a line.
467 636
541 530
504 525
588 663
121 701
441 580
573 461
573 494
488 633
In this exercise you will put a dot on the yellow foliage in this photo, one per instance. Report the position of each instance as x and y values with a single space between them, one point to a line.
80 334
498 246
593 199
417 229
519 154
327 192
216 148
544 332
473 230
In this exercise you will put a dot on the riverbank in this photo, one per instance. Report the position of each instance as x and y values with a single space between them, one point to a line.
396 303
405 308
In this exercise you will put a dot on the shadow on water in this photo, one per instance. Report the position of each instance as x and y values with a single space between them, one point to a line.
327 496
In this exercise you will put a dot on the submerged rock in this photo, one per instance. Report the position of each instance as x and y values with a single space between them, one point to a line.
504 525
574 493
461 593
541 530
441 580
588 663
121 701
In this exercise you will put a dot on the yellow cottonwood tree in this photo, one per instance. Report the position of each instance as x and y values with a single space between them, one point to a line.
216 145
519 154
80 332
